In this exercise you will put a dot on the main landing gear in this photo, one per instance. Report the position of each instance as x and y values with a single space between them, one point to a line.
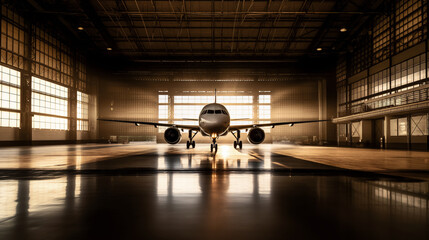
191 142
213 145
237 142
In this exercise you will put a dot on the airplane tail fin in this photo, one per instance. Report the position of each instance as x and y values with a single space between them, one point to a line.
215 96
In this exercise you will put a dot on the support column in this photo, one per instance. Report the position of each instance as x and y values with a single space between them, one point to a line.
25 132
322 110
72 103
386 131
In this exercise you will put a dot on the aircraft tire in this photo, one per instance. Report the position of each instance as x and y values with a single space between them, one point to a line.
216 147
187 144
235 144
211 147
193 144
240 144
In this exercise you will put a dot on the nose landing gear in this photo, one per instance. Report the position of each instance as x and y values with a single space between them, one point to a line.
237 142
213 145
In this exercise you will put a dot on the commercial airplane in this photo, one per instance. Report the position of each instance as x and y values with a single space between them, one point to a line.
214 121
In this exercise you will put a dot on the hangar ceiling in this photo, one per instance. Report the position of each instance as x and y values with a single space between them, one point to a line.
227 29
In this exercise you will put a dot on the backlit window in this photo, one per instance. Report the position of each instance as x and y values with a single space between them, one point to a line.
82 111
10 95
51 99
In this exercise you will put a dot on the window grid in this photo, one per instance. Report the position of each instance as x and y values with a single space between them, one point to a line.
82 105
381 38
82 125
240 111
187 111
47 122
264 98
52 58
264 111
49 105
193 99
359 89
49 98
234 99
409 23
12 38
379 82
341 70
82 82
9 119
409 71
361 54
162 98
10 92
163 112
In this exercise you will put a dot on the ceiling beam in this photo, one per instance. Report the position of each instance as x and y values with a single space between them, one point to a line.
327 25
296 26
91 14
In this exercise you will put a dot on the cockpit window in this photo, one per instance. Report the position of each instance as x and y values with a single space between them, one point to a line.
224 112
218 111
210 111
204 112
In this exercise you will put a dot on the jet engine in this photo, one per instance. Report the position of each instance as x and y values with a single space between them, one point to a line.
256 135
172 135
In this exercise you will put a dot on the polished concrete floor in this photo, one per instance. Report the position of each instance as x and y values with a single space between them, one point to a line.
157 191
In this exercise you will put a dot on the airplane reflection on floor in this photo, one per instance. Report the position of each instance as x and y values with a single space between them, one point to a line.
225 158
169 203
181 184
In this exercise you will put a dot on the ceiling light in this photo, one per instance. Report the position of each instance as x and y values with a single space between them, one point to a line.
109 49
343 30
319 49
80 28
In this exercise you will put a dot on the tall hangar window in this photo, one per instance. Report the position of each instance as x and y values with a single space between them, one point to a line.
82 111
162 110
49 102
264 110
9 97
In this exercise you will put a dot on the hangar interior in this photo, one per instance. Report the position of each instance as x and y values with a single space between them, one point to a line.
360 64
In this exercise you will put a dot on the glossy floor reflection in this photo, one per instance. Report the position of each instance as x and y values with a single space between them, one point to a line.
177 205
159 191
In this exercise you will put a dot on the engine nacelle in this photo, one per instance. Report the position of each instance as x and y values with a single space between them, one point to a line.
256 135
172 135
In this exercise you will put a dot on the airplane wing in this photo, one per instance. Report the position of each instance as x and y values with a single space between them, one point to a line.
239 127
155 124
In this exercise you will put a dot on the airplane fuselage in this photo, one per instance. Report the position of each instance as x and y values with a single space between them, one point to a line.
214 120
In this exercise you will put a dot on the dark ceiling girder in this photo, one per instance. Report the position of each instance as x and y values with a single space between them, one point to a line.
40 8
130 24
91 14
324 29
224 19
216 27
296 25
225 38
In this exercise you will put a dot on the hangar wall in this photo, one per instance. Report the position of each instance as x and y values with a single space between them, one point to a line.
47 95
382 81
293 96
